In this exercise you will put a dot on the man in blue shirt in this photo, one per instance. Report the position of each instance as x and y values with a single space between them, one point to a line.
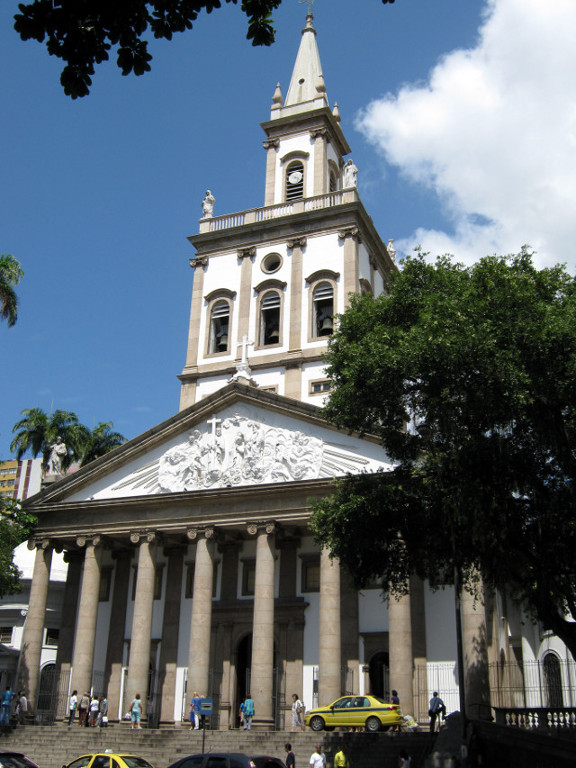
6 706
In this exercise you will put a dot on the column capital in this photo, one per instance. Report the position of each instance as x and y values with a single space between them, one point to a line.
352 232
318 133
248 252
199 261
294 242
193 534
271 143
141 537
86 540
266 526
38 543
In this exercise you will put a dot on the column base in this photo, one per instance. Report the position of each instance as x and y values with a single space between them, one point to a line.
263 723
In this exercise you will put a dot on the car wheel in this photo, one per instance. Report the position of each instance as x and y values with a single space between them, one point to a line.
316 723
373 724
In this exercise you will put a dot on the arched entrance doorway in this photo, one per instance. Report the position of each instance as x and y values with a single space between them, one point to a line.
380 675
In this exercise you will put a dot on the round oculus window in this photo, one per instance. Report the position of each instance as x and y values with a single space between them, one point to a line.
272 262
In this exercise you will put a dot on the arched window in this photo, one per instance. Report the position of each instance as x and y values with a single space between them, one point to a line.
553 677
270 305
295 180
323 309
219 327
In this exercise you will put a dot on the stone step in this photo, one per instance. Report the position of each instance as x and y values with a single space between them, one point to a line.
53 746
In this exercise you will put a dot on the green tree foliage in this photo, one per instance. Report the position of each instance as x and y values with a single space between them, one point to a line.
35 433
480 363
98 442
15 527
82 32
10 275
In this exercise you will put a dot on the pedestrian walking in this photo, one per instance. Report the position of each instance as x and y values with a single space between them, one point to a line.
83 707
317 758
297 713
22 708
72 707
290 757
6 708
249 712
136 712
94 709
437 710
341 759
195 706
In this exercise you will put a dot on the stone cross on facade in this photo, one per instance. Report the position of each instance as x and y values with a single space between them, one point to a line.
243 369
214 423
245 344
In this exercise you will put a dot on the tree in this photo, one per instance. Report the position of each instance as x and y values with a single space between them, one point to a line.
36 432
98 442
466 375
82 32
15 527
10 275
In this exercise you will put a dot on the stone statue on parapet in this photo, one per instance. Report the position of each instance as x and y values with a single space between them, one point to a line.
57 452
391 250
208 205
350 178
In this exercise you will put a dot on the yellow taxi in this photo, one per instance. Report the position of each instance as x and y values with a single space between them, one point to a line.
108 759
369 712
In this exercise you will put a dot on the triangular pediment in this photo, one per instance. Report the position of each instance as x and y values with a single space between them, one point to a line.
238 437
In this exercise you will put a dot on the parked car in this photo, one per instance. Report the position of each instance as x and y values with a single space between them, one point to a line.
108 759
15 760
369 712
265 761
227 760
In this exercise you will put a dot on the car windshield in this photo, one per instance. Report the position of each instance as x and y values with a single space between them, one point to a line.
135 762
14 761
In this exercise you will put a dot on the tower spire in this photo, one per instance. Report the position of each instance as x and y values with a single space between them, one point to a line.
307 72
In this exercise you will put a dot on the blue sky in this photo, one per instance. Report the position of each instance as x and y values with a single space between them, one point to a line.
99 194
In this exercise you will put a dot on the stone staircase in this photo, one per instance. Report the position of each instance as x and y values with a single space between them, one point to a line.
58 744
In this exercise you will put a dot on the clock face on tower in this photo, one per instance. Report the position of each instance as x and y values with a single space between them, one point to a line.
295 177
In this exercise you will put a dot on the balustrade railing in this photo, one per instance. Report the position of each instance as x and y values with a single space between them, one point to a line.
254 215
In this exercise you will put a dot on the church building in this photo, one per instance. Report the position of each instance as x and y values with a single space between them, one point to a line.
191 567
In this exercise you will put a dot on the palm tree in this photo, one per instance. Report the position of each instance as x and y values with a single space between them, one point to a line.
10 275
97 442
36 432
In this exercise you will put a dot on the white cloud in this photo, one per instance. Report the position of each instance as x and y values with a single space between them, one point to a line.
493 134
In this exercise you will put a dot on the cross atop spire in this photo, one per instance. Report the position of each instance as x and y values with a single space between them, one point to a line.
310 5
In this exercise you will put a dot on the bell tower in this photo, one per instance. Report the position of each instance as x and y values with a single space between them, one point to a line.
269 282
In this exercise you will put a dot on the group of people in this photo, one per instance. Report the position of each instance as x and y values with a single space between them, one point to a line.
92 710
6 701
341 759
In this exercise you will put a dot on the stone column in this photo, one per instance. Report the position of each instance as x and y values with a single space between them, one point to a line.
68 624
296 331
139 662
29 671
271 147
246 257
83 657
262 672
170 631
351 238
400 649
117 631
329 646
201 619
188 391
474 643
320 163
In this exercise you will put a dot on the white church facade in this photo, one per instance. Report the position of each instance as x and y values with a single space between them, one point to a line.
190 563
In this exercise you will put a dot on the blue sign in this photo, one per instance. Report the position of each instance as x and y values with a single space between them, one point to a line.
206 706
